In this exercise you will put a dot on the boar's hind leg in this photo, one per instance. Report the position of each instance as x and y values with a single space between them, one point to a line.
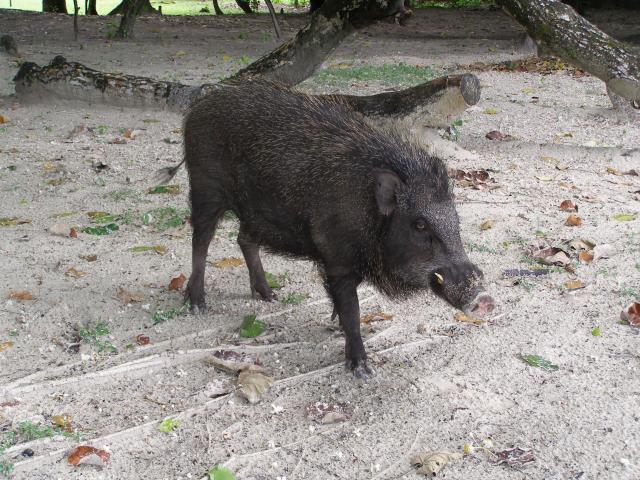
343 291
204 219
257 279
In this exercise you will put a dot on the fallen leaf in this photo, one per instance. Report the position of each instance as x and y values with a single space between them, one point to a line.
595 331
252 384
142 339
221 473
431 463
580 244
375 317
80 130
3 119
83 454
230 361
538 361
551 256
323 412
463 317
63 421
20 295
126 296
168 425
585 257
89 258
12 221
491 111
251 327
496 135
102 229
228 262
516 272
573 220
73 233
487 224
568 206
72 272
624 217
514 457
177 283
604 250
5 345
631 314
574 285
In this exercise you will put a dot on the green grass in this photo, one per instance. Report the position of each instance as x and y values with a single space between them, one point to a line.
94 334
389 74
169 7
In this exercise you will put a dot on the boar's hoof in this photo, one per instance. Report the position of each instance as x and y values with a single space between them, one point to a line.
265 293
481 305
361 368
196 305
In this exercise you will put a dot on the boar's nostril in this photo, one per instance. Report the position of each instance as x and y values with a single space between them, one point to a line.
482 304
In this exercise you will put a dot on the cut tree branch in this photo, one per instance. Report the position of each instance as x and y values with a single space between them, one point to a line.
568 35
433 103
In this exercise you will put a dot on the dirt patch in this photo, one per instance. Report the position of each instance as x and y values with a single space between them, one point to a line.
118 368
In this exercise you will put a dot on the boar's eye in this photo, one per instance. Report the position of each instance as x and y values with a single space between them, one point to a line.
420 225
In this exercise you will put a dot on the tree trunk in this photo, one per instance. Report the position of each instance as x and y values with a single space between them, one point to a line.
216 8
92 10
295 60
75 19
244 5
274 19
559 29
432 104
146 7
54 6
132 9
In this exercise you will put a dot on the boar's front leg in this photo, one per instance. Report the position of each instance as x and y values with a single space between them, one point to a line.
343 291
257 279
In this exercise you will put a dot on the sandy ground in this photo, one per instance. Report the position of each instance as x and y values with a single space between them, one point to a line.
440 383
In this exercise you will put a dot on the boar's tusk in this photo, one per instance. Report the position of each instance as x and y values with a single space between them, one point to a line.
439 278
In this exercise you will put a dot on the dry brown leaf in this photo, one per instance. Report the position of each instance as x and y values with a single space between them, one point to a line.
253 384
84 453
573 221
20 295
496 135
487 224
551 256
126 296
5 345
568 206
89 258
142 340
73 233
177 283
375 317
514 457
631 314
463 317
431 463
585 257
72 272
574 285
228 262
3 119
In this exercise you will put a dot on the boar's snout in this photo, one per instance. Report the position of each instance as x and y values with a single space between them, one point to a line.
480 306
461 285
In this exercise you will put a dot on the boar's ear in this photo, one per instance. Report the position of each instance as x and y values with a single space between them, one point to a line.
387 183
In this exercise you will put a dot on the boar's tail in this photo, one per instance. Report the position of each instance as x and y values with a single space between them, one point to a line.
165 174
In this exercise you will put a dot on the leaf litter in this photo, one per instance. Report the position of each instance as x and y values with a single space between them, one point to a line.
325 413
430 463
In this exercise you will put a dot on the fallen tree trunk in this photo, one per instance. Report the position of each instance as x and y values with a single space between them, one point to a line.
568 35
433 104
